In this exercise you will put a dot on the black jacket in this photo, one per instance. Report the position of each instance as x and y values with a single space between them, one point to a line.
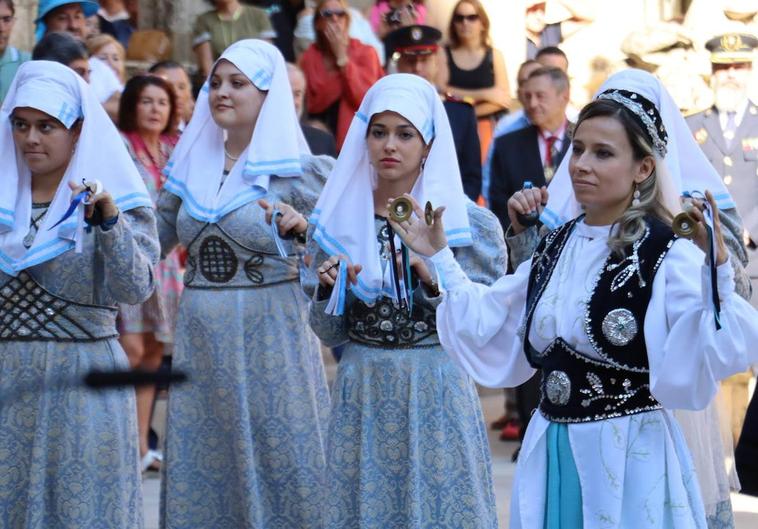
463 123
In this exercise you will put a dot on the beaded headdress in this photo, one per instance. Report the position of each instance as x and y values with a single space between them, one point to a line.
645 112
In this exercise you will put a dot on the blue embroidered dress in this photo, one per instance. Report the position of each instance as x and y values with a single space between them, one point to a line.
407 446
69 456
244 444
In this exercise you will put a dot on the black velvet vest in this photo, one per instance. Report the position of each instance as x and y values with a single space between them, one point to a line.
576 388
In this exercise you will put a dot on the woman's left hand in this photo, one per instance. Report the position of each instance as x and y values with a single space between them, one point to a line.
289 219
701 236
420 237
102 201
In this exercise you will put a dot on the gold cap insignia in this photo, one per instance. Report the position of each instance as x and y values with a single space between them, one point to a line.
731 42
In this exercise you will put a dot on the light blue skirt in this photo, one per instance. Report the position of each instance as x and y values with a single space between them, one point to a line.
406 446
564 492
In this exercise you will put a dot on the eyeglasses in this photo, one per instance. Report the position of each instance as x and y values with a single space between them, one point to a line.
458 19
332 13
7 20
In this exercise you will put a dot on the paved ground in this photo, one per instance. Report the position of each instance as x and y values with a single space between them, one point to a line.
745 507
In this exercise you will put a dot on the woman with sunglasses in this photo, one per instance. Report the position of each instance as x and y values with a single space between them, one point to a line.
338 69
472 69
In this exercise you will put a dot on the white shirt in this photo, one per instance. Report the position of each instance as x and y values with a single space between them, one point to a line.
560 136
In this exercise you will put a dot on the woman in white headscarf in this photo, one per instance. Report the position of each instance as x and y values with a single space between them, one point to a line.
244 440
609 310
67 257
688 171
406 446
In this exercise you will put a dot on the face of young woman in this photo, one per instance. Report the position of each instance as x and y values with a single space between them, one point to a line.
396 149
45 144
235 101
109 54
153 110
602 166
468 26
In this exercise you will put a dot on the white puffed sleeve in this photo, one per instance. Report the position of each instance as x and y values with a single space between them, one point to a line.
478 325
687 355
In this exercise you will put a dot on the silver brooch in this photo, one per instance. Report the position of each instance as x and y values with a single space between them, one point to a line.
558 388
619 327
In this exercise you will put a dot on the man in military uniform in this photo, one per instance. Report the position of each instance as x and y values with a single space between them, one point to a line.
728 134
415 52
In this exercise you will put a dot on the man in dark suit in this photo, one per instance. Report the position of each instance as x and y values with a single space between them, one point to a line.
533 153
320 141
415 48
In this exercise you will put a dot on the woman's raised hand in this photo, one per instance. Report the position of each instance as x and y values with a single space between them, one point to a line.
523 202
100 199
701 236
422 238
327 272
289 219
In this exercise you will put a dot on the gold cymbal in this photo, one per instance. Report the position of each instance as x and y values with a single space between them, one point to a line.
401 209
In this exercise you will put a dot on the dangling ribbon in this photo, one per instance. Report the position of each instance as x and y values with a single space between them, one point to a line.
712 253
404 295
80 199
275 233
336 305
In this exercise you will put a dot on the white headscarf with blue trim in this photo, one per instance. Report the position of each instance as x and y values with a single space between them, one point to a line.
687 167
344 214
195 169
100 154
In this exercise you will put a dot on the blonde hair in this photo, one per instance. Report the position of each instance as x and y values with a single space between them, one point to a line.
98 42
631 225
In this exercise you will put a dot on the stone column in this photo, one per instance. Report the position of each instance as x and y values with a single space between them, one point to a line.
23 32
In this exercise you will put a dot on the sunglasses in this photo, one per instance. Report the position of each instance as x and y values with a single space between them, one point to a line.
458 19
332 13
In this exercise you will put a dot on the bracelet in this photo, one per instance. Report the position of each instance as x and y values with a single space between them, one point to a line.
107 224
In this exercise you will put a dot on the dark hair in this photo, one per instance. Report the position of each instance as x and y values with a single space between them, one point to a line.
127 108
483 18
10 5
59 46
165 65
552 50
557 76
631 225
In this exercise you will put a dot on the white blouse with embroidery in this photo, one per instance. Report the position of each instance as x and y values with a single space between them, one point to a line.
635 471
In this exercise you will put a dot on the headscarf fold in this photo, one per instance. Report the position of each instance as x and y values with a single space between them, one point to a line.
99 154
195 169
344 214
684 168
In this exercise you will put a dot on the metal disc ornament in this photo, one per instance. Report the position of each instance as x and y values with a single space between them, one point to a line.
401 209
429 213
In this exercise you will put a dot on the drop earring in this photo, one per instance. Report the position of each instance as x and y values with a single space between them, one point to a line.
636 197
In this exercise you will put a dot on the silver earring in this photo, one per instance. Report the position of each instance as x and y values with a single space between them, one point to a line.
636 198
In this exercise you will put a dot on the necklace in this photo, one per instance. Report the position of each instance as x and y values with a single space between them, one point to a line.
232 158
